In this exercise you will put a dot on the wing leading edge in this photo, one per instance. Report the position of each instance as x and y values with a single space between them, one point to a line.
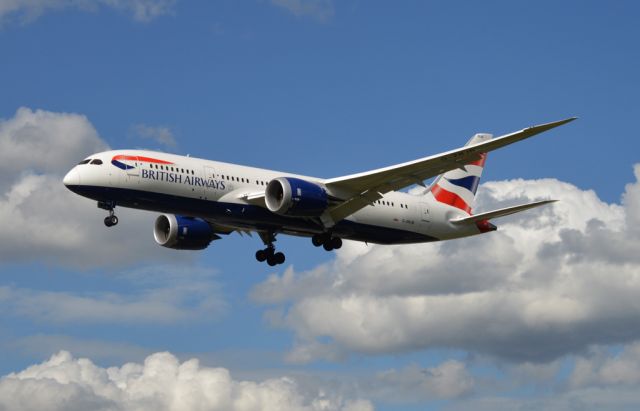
360 190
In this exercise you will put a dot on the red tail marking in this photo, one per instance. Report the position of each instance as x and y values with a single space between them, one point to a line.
450 198
481 161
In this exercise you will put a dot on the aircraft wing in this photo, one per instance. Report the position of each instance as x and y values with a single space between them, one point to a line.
359 190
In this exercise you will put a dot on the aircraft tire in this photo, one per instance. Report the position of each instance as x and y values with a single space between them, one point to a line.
336 243
261 255
279 258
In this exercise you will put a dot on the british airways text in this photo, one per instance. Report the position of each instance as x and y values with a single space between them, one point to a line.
180 179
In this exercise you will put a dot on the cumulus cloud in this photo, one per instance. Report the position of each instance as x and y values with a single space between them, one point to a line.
44 142
162 382
161 135
601 369
29 10
550 282
321 10
41 217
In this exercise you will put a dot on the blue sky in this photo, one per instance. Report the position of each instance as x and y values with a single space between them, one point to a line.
324 88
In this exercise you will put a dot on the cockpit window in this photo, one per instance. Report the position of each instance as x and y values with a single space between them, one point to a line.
96 162
84 162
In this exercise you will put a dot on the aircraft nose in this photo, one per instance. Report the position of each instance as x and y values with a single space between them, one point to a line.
72 178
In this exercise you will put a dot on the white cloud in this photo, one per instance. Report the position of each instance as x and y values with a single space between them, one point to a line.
550 282
40 217
321 10
44 142
161 383
29 10
161 135
601 369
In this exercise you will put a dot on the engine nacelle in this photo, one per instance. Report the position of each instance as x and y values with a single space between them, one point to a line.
182 233
295 197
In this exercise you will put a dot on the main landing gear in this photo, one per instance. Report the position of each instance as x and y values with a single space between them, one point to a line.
327 241
269 254
111 219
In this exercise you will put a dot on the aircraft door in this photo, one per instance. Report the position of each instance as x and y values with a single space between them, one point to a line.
209 183
425 216
131 176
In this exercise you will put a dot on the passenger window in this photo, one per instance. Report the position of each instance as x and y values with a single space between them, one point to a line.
97 162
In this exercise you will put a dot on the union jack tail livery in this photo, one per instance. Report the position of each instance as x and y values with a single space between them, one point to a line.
457 187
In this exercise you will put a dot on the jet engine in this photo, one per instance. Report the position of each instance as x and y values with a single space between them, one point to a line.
182 233
295 197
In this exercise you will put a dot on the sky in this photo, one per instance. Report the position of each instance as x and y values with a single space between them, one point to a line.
542 314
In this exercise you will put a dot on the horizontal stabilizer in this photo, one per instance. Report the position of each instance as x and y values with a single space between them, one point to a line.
500 213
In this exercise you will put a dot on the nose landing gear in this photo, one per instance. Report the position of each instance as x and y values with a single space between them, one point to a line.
327 241
269 254
111 219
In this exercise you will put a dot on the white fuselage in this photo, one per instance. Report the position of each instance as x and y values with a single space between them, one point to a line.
222 193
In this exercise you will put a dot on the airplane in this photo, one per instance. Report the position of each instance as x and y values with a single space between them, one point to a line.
200 200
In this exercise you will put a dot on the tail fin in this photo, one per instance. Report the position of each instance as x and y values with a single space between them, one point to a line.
458 187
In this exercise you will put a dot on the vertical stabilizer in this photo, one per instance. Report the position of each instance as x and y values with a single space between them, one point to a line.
457 187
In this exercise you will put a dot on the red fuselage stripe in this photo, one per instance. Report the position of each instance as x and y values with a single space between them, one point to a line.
143 159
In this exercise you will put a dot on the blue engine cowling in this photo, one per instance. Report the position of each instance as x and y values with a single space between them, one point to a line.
295 197
182 233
